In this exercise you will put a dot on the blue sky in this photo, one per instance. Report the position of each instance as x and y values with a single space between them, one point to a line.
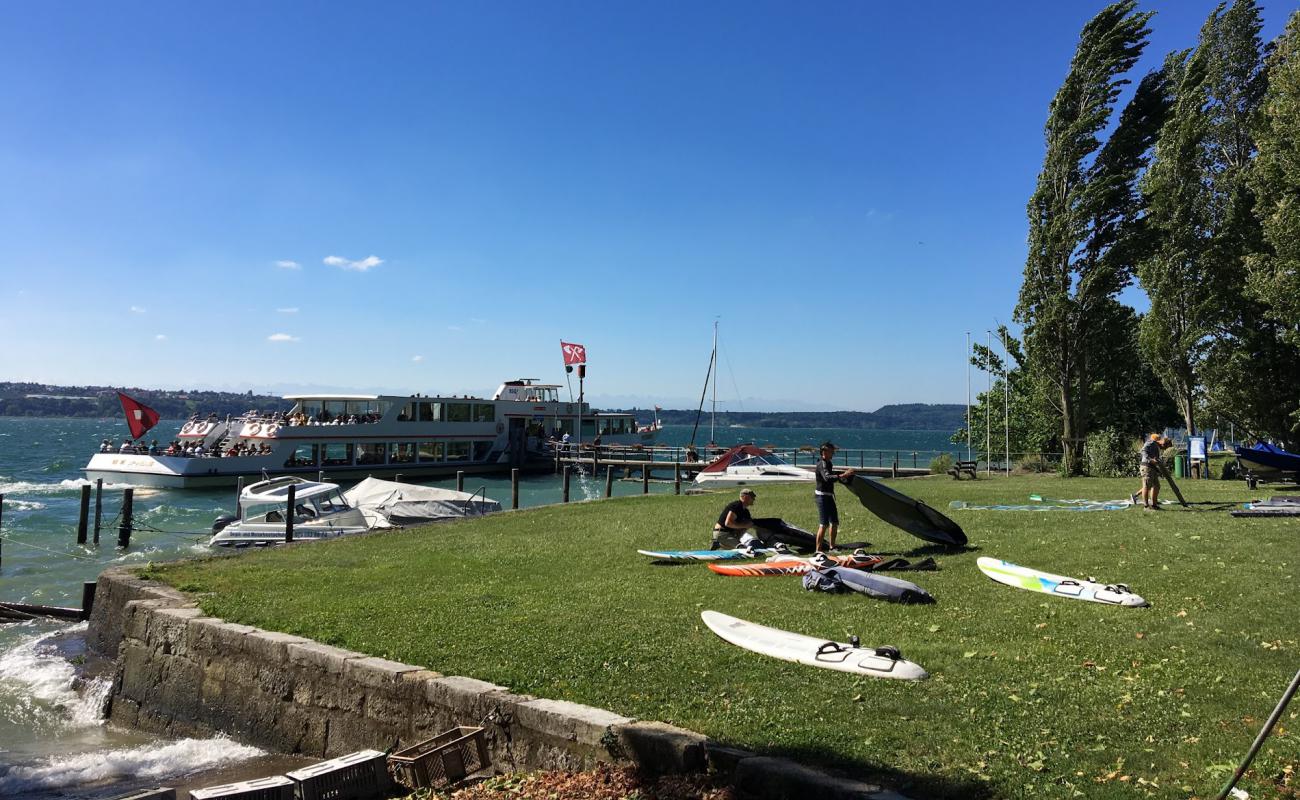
429 196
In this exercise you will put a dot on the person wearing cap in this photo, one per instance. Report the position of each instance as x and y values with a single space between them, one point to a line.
1149 469
828 515
734 522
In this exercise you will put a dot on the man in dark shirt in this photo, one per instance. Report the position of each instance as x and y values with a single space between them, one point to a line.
733 522
828 516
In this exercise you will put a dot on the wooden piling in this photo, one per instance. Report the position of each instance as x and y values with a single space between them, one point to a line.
239 493
2 512
514 488
83 518
460 480
645 479
893 468
128 509
99 505
288 513
87 599
565 481
609 480
677 478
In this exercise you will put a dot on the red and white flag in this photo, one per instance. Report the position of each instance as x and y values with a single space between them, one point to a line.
139 417
573 353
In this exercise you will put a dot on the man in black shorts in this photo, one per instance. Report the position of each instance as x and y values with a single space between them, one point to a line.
733 522
828 516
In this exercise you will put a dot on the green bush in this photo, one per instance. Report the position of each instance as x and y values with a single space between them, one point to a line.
940 464
1037 463
1107 453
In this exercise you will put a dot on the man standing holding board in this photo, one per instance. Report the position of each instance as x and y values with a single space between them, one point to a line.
1150 468
828 516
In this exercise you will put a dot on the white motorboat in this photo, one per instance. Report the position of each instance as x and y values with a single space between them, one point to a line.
353 436
747 465
320 511
387 504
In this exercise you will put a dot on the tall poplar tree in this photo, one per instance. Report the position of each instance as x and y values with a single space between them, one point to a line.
1073 272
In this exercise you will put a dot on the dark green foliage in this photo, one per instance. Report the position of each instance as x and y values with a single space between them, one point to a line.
1079 254
45 400
1110 454
940 464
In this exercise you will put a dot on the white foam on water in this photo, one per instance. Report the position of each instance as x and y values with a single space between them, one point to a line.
152 762
36 676
23 505
65 485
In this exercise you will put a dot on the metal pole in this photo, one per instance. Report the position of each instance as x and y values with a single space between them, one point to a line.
988 398
713 418
99 505
1263 734
1006 401
968 432
288 514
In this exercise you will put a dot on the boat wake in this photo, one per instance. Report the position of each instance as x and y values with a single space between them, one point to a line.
145 763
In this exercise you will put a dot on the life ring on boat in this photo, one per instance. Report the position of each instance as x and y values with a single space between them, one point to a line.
189 426
254 429
501 427
271 429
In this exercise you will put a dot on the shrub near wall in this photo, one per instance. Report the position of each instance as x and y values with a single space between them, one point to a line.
1107 453
941 463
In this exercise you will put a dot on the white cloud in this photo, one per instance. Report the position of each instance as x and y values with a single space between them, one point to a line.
162 337
288 264
417 359
287 310
282 337
137 310
364 265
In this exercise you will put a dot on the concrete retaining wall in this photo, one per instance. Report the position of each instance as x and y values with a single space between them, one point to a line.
180 673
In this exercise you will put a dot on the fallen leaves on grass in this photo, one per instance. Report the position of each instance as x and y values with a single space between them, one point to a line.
602 783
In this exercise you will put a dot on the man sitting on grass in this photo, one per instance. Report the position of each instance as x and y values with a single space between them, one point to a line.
734 523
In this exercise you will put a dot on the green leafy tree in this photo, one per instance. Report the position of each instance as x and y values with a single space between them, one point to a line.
1274 274
1076 264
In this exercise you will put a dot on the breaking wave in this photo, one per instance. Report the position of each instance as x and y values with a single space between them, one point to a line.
38 685
150 762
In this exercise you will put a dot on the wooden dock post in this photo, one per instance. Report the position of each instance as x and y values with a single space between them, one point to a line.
645 479
609 480
83 519
893 468
87 599
565 481
288 514
460 480
677 478
99 505
124 528
2 513
514 488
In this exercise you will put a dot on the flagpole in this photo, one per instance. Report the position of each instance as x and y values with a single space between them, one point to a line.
968 431
988 398
1006 400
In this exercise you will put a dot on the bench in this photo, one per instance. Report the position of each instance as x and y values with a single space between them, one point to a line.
964 467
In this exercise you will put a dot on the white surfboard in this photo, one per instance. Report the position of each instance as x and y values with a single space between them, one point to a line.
1114 594
876 662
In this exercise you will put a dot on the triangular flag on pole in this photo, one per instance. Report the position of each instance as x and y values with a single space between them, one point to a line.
139 417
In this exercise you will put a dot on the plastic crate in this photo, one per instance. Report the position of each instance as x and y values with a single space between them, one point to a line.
274 788
444 759
355 776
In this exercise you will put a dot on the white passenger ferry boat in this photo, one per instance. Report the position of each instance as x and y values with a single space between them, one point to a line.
349 437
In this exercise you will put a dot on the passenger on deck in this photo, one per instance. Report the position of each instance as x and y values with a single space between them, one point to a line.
153 447
106 446
126 447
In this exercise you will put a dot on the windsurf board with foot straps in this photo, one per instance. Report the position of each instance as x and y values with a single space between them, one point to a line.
712 555
877 662
881 587
793 565
901 511
1114 594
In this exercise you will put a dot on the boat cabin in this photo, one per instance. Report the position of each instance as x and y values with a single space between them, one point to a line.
267 502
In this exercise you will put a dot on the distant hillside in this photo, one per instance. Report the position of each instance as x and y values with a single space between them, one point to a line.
908 417
45 400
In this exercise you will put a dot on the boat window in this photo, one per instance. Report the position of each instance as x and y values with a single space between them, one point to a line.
481 450
563 426
263 512
371 452
458 412
330 503
333 408
430 412
431 451
407 414
588 427
458 451
304 455
401 453
336 454
310 408
485 412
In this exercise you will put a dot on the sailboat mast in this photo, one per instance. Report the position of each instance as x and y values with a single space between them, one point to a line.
713 420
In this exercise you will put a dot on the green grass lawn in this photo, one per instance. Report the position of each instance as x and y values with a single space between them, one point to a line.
1029 695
